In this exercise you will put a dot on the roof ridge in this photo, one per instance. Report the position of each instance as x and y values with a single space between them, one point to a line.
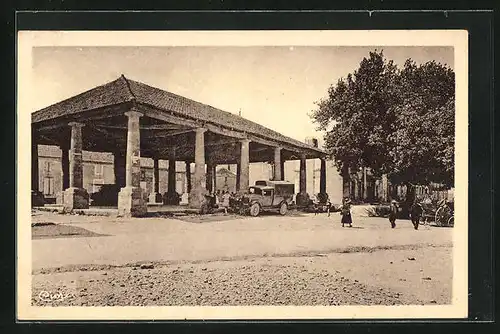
127 83
274 132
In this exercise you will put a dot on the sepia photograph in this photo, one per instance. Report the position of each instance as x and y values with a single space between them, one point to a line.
241 175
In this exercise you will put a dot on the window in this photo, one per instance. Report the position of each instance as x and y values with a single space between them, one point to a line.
48 186
47 169
98 170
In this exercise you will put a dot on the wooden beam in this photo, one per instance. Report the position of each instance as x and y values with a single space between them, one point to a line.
142 127
169 117
167 134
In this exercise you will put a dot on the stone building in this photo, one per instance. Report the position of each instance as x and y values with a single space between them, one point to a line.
131 120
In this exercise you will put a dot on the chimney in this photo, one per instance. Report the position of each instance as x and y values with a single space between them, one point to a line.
312 141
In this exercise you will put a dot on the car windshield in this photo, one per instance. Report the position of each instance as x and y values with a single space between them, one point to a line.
253 190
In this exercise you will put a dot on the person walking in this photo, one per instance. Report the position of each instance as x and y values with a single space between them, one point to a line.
328 206
393 213
416 213
346 213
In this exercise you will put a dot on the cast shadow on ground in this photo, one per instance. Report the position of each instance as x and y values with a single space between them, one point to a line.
47 230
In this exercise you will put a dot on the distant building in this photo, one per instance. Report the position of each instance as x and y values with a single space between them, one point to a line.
97 171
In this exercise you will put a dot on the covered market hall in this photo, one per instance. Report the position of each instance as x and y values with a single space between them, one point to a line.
132 120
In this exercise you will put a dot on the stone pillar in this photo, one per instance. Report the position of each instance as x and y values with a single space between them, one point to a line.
155 196
131 201
322 176
214 173
244 175
282 169
75 197
278 176
303 183
210 177
198 189
171 197
64 171
188 176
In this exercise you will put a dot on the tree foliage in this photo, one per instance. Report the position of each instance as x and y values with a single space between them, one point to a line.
394 121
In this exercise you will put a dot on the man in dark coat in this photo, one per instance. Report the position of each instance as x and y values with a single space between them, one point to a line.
393 213
416 211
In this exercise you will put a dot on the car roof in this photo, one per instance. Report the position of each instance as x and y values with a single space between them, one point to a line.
263 187
279 182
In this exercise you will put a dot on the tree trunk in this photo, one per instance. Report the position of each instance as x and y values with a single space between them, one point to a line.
410 197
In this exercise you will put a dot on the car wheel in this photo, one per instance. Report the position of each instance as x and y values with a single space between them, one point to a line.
283 209
255 210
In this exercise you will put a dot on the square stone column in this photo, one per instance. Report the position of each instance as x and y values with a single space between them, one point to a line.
131 200
198 187
155 196
322 176
282 168
64 147
244 166
278 176
76 197
171 197
210 177
303 174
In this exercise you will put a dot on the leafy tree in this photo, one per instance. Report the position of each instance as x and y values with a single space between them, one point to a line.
422 143
359 111
398 122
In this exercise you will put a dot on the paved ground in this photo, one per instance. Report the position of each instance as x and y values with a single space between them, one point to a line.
300 259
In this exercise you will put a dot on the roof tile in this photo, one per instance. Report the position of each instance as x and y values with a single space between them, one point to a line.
123 90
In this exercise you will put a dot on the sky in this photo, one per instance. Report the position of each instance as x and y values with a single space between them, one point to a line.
274 86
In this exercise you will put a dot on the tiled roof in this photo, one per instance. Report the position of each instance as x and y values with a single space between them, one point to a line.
114 92
123 90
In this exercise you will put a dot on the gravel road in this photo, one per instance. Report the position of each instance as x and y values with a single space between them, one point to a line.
421 276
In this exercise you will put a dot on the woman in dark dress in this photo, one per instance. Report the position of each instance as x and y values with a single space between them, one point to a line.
346 213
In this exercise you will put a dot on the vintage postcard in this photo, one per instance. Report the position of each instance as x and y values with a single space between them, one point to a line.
242 175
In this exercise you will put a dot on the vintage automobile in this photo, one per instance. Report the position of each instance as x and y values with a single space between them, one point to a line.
268 196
